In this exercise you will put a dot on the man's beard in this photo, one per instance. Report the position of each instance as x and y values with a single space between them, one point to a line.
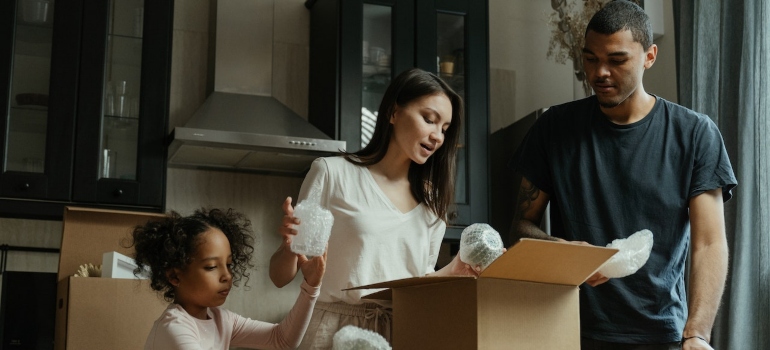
609 104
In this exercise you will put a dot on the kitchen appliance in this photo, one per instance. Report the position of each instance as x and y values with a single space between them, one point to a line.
237 128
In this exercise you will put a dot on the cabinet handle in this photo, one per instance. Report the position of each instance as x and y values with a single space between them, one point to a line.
118 193
25 186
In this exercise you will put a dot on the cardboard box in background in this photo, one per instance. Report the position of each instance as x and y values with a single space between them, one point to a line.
526 299
101 313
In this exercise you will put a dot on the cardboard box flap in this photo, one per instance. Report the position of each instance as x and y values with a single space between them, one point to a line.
385 294
88 233
549 262
408 282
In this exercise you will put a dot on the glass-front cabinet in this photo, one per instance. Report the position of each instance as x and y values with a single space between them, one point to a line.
84 90
358 46
452 41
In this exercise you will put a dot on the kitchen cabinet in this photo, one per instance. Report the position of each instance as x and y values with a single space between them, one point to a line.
84 87
358 46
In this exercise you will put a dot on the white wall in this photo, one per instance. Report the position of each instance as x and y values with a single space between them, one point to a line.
523 79
661 79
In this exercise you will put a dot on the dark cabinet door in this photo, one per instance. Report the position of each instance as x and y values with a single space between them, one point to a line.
84 88
452 41
39 62
123 103
356 48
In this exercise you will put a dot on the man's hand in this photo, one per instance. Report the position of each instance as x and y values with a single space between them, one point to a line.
596 279
696 344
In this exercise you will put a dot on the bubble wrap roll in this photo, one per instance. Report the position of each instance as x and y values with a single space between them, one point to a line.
633 254
480 245
354 338
314 228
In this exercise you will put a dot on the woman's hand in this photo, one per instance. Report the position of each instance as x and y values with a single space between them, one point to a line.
456 268
313 269
287 230
460 268
284 263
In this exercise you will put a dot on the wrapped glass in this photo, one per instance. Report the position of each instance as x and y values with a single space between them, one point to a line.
354 338
315 226
633 254
480 245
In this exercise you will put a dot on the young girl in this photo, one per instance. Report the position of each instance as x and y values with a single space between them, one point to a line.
194 261
389 201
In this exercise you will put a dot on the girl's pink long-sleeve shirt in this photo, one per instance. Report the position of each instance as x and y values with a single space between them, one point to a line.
177 330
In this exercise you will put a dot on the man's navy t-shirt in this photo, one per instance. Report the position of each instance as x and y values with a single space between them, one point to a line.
607 181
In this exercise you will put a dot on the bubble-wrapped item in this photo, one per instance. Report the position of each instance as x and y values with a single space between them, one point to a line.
480 245
633 254
354 338
315 225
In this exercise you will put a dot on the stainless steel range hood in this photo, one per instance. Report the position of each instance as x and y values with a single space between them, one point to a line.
238 127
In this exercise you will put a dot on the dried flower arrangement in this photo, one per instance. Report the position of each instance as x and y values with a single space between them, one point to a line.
89 270
568 24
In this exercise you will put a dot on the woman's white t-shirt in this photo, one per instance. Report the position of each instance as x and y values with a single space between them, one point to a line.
371 240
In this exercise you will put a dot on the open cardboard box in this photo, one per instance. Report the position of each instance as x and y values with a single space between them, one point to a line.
526 299
101 313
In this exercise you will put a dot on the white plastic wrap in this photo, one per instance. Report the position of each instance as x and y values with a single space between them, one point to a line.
480 245
315 226
354 338
633 254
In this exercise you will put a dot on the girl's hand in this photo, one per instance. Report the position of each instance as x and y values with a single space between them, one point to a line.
313 269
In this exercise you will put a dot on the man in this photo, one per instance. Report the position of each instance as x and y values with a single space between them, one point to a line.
621 161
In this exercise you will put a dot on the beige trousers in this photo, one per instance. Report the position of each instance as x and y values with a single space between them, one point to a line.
328 318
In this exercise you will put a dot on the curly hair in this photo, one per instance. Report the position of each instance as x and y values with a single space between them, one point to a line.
172 242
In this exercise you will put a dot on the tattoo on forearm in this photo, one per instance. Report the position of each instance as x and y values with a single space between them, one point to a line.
527 193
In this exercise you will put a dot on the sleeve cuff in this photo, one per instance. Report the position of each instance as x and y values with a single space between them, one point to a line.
310 290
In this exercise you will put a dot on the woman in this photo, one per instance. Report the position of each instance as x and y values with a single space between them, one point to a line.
390 204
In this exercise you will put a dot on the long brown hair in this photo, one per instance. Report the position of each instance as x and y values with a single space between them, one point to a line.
431 183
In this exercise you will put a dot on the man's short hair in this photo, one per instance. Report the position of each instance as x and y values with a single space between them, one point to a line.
623 15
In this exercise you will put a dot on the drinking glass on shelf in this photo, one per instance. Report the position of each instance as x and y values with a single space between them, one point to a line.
122 108
109 100
109 163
